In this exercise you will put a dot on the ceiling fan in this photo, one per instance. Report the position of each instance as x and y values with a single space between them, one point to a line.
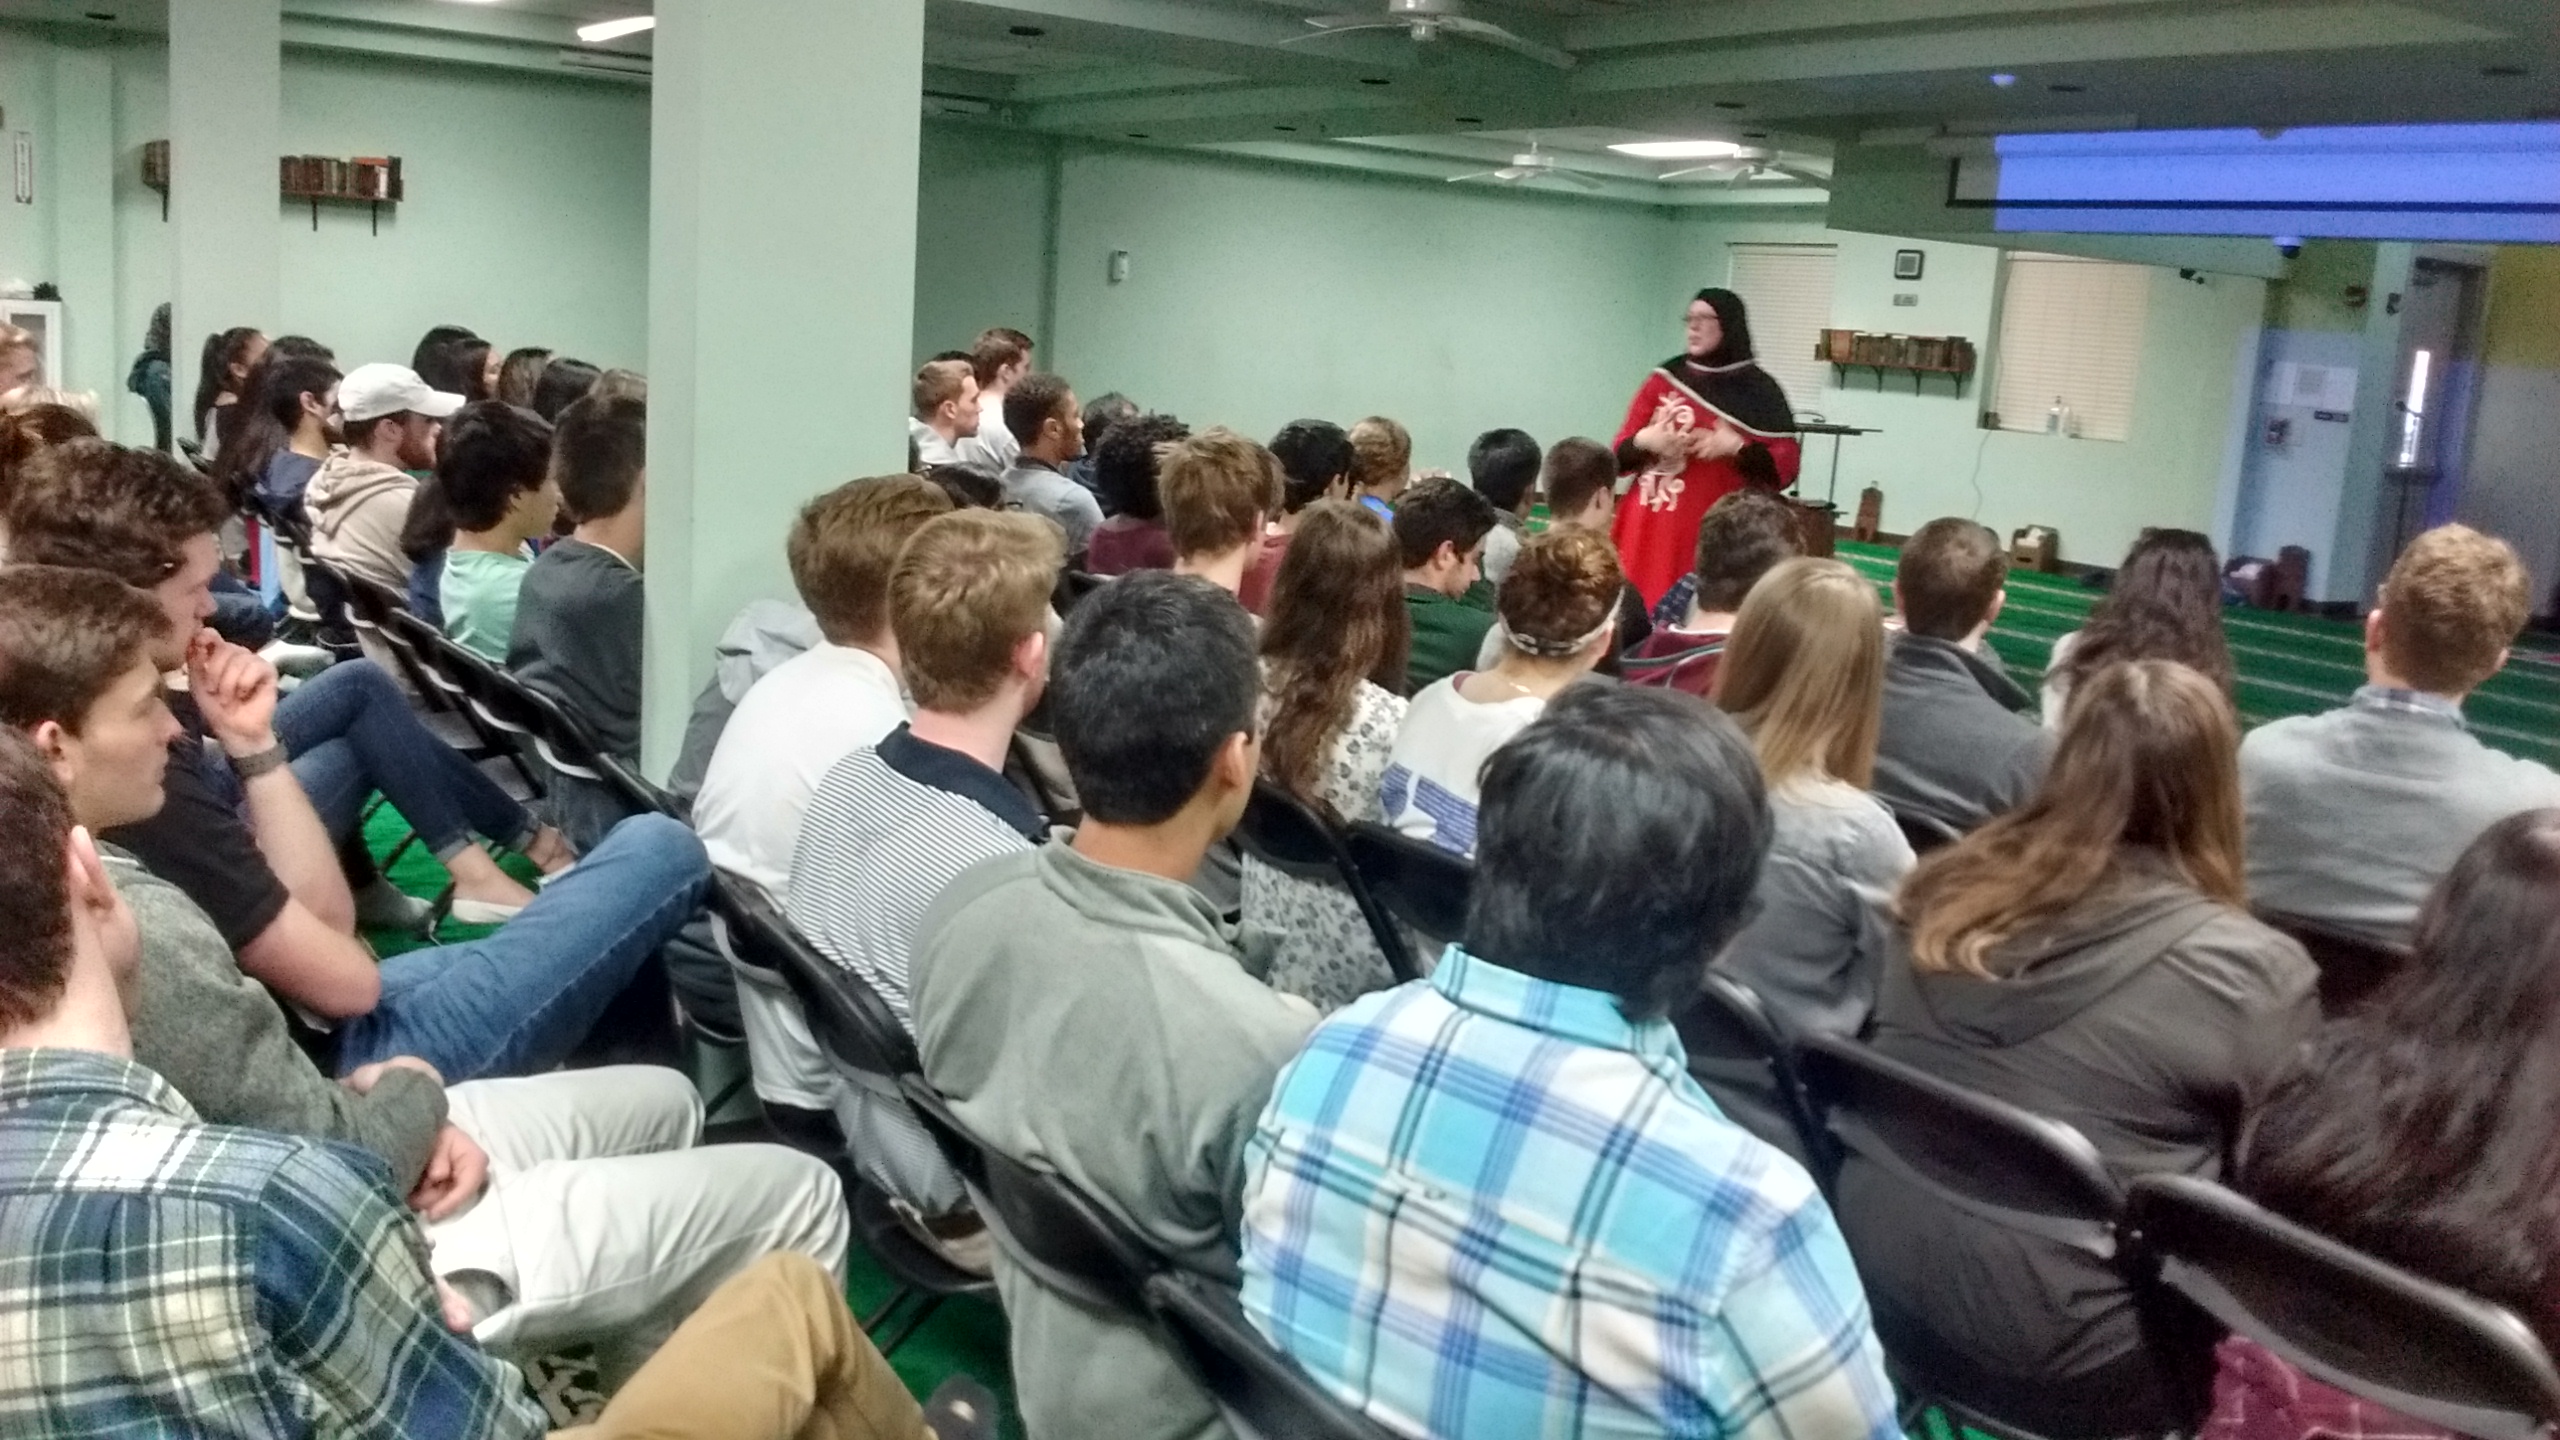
1751 165
1535 165
1429 20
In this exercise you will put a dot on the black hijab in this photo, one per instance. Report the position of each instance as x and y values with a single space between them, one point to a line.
1728 377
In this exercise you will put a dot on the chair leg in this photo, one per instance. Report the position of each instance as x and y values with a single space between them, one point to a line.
871 1323
917 1314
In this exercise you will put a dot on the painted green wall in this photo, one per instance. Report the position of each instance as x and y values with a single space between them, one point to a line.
2313 294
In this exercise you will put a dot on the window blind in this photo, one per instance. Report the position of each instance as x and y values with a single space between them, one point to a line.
1787 290
2071 330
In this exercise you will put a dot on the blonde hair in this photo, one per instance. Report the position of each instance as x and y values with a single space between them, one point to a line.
2453 602
968 587
1803 673
83 403
2149 759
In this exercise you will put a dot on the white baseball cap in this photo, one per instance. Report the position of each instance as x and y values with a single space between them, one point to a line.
370 392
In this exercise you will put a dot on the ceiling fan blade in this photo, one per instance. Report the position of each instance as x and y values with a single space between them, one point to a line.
1723 169
1326 25
1493 34
1476 175
1814 178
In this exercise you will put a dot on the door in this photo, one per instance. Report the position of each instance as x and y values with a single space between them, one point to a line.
2431 396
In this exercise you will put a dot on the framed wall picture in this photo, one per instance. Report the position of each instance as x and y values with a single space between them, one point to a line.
1907 264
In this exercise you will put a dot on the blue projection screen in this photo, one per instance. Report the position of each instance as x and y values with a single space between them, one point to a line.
2487 183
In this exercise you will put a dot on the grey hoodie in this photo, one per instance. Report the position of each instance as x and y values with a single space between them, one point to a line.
357 507
2151 1018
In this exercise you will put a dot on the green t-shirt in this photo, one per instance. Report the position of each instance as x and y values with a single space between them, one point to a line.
1446 636
480 599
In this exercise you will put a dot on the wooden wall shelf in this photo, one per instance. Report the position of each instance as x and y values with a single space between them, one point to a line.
1917 356
369 180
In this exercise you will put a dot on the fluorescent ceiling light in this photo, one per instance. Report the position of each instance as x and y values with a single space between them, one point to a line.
604 30
1679 149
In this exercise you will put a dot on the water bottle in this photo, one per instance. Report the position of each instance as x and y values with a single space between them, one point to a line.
2055 419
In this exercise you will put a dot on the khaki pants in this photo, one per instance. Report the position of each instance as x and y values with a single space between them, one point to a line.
772 1355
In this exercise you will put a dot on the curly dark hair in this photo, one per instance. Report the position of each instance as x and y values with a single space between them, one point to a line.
1124 465
2166 604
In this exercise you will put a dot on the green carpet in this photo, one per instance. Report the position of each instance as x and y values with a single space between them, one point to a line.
2288 664
965 1336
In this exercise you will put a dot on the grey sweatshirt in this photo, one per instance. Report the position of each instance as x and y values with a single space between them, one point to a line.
222 1040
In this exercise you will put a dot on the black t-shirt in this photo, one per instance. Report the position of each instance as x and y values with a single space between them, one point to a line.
202 844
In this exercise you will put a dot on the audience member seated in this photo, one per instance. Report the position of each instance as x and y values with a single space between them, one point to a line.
538 1261
359 499
1503 467
1088 1012
214 1272
222 377
2165 604
565 381
1124 475
999 361
2087 958
1440 527
1804 677
1955 749
1381 464
893 822
2424 1129
1099 416
1315 464
21 360
1740 538
243 838
798 720
1579 481
1042 410
26 434
495 474
579 607
1559 608
519 373
151 522
761 637
946 412
1217 489
1629 1261
1332 651
282 431
2354 815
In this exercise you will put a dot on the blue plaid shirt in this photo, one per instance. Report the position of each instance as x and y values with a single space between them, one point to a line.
161 1277
1486 1205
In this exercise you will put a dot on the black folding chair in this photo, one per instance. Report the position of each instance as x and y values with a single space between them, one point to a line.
2029 1174
1286 834
1262 1392
1925 832
2352 967
1739 1056
371 606
857 1030
415 637
1044 1223
1416 882
2425 1350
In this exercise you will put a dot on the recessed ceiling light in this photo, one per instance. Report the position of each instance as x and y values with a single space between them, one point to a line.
2004 79
1026 32
604 30
1678 149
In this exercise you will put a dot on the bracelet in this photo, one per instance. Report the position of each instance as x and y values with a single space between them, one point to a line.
265 762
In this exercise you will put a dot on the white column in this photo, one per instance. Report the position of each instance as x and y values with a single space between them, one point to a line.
225 109
84 220
782 236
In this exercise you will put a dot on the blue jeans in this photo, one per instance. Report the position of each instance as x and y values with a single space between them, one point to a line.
240 615
518 1001
351 732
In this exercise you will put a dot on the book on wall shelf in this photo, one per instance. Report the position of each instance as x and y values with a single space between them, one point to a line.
1917 355
372 180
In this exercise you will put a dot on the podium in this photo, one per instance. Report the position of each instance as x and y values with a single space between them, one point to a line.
1819 523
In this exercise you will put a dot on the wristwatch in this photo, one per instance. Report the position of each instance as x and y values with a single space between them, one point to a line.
267 761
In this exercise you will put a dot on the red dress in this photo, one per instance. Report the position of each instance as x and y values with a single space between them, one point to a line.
1657 526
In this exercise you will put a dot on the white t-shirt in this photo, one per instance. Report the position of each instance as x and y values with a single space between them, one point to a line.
792 727
993 445
1430 790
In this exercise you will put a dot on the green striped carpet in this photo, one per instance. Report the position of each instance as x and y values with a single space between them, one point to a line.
2288 664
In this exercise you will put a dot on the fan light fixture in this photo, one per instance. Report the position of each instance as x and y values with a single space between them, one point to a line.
604 30
1678 149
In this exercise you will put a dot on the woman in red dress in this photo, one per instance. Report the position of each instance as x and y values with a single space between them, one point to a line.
1687 439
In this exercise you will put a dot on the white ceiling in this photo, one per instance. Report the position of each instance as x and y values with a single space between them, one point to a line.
1795 76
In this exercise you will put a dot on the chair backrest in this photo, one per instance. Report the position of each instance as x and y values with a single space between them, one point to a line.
1045 1224
1418 882
1926 833
1735 1044
848 1019
2352 967
1262 1392
2425 1350
1287 834
1994 1160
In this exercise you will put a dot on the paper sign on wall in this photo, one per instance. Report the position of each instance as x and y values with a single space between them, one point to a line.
2318 387
22 164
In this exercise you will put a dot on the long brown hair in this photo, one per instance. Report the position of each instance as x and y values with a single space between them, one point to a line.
2149 758
1804 672
1337 617
2166 604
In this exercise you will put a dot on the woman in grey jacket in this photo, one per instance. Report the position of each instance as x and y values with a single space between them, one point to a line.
2087 958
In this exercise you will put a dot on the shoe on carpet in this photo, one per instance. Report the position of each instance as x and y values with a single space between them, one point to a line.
482 912
381 906
961 1239
961 1409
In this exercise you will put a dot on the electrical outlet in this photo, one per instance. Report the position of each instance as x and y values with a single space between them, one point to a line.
1906 299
